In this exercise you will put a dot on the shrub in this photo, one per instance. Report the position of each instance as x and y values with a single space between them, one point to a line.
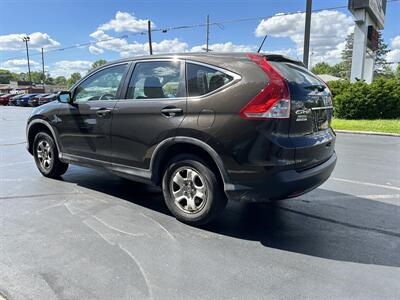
378 100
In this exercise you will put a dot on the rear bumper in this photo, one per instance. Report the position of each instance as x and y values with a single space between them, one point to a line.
283 184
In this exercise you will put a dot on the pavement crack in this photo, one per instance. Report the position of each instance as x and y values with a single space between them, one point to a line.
146 279
12 144
116 229
37 195
99 233
377 230
45 208
160 225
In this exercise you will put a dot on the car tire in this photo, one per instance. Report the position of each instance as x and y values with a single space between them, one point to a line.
192 191
46 156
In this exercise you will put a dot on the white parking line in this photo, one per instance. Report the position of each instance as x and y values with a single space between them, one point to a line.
389 187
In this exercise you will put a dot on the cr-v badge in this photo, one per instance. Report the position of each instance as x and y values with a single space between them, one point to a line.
302 114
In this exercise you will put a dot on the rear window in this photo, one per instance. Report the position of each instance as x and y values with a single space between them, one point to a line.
202 80
296 74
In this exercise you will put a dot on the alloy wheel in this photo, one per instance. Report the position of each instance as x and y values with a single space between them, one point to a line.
45 155
188 189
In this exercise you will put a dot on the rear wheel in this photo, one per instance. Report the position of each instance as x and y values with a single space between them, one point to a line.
46 156
192 191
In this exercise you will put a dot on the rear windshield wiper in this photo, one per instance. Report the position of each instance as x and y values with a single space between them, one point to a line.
318 87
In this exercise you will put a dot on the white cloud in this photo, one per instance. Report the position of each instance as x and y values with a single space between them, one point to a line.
329 30
37 41
393 55
396 42
19 65
165 46
125 49
288 52
125 22
225 47
67 67
95 50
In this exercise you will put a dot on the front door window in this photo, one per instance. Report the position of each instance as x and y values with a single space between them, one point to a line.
103 85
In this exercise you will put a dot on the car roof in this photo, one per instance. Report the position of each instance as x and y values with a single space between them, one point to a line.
212 58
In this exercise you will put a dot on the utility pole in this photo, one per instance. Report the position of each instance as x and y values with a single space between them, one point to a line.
26 39
307 30
208 32
43 76
149 31
311 58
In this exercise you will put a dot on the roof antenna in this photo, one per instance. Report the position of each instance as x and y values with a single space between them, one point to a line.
262 44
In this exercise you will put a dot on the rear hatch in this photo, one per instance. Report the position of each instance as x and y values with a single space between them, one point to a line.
310 113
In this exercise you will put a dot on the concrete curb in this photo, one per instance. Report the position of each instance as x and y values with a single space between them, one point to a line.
368 133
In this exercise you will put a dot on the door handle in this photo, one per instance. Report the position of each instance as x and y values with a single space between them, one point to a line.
103 112
171 111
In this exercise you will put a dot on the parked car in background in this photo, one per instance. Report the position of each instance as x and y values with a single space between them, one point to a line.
204 127
24 101
47 99
4 99
35 100
13 100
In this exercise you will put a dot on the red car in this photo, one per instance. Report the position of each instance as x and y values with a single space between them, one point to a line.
5 98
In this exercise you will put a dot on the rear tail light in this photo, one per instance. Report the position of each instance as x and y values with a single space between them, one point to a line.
273 102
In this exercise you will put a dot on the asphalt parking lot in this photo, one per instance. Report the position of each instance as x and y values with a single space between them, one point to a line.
92 235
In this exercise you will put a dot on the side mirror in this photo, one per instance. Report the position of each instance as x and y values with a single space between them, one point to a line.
64 97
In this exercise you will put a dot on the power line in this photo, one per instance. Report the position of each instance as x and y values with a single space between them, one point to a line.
171 28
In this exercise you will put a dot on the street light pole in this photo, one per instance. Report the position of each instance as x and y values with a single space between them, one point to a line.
26 39
306 50
149 34
43 75
207 32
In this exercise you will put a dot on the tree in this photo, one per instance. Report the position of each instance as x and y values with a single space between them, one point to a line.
397 72
380 54
60 80
49 79
324 68
36 77
73 79
6 76
97 64
347 53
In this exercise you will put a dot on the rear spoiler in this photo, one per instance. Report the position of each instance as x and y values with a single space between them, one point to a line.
283 58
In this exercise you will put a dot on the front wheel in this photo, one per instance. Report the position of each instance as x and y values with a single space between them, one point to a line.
46 156
192 191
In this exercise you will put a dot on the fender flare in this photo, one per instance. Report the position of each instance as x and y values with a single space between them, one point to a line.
47 124
165 144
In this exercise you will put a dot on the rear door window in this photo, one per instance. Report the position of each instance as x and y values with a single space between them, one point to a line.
202 80
156 80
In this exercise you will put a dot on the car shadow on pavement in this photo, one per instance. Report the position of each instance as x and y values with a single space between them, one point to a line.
323 224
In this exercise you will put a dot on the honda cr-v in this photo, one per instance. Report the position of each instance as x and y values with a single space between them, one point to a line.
204 127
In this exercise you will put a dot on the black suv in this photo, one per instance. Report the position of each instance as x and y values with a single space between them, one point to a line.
205 127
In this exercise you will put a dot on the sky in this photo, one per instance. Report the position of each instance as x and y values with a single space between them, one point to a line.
112 29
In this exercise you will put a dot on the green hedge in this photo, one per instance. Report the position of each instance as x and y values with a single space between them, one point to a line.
378 100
